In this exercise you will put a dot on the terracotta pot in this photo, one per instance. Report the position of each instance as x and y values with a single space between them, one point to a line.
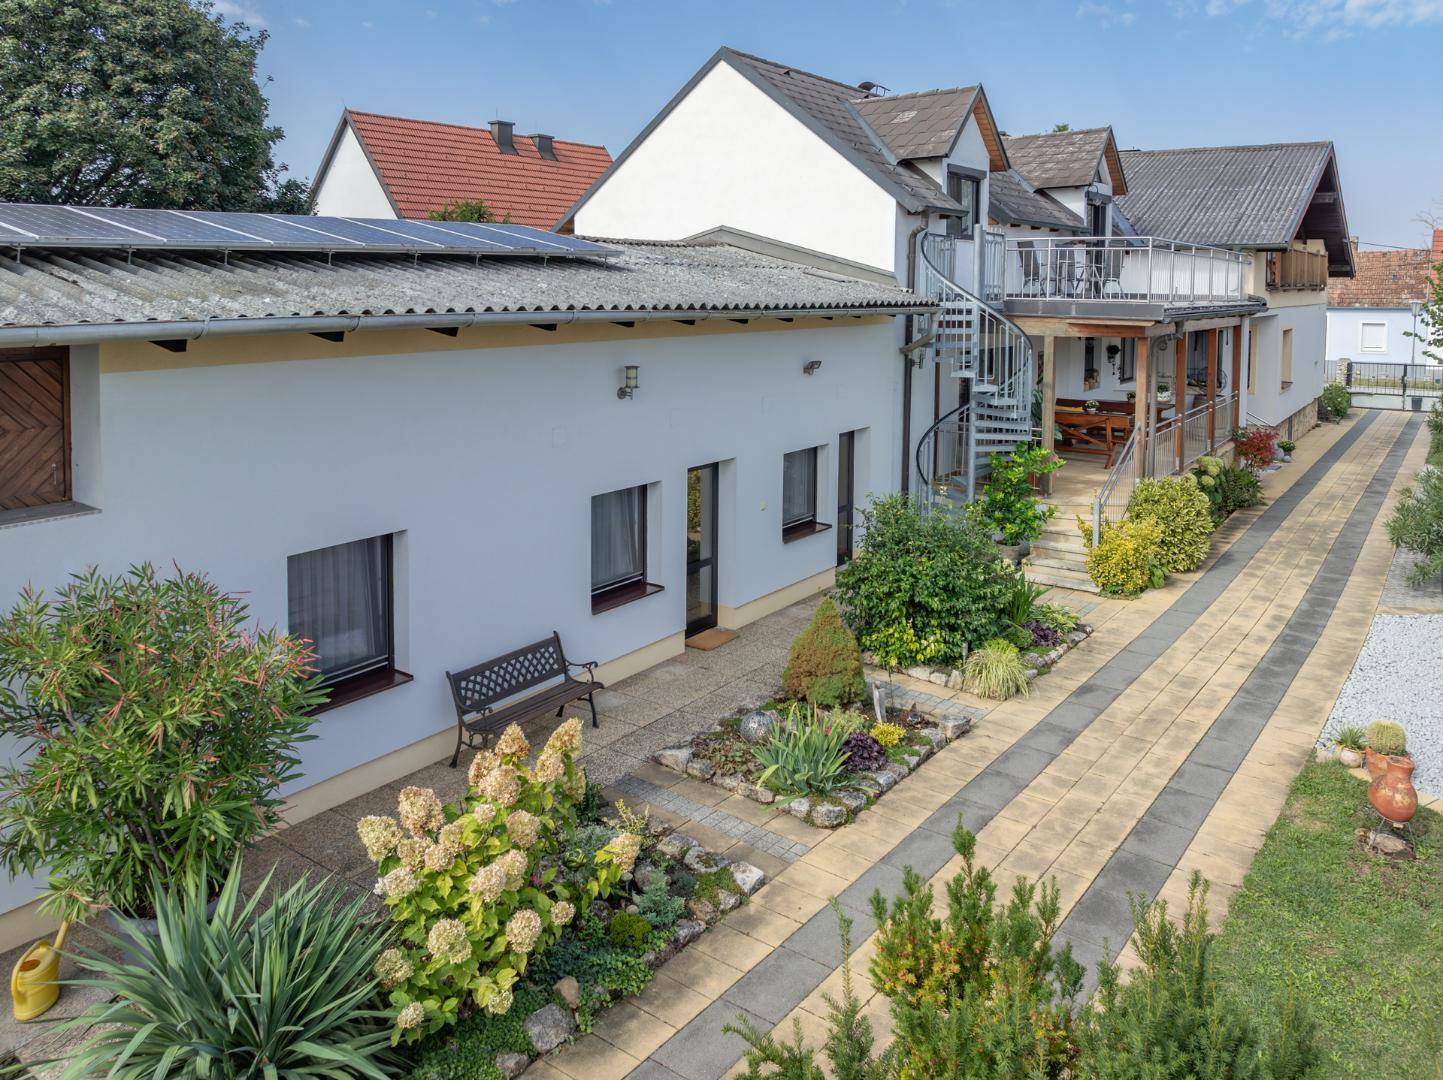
1392 794
1377 763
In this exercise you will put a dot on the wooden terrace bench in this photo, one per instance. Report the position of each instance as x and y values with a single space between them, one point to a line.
477 690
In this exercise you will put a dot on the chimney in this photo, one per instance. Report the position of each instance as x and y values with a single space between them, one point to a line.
501 132
1437 246
544 146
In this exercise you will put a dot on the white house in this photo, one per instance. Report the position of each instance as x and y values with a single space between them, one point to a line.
1372 316
485 447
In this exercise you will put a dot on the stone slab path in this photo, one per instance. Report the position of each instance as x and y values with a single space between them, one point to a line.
1163 743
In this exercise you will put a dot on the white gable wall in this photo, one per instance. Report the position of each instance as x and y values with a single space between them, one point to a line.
728 154
350 187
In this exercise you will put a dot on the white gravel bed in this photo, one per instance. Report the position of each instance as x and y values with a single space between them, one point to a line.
1399 676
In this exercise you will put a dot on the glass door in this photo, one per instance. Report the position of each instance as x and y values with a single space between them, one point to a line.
846 472
701 525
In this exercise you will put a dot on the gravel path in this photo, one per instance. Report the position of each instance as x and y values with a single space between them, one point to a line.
1399 676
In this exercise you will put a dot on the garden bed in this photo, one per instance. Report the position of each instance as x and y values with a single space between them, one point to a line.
1038 660
725 756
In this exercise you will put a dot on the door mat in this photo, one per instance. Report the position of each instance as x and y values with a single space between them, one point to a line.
711 639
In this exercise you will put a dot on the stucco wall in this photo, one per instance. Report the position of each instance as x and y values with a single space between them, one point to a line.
483 460
1345 326
350 187
1268 400
730 155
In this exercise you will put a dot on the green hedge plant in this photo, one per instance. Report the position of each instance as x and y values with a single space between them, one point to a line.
155 728
1416 524
922 589
1184 519
1009 508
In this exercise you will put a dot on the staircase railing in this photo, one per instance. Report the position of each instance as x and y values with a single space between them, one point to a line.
976 342
1116 491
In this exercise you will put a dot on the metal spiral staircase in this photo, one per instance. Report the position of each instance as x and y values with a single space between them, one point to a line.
990 361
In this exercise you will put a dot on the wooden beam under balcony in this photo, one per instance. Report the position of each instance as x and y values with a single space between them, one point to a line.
1128 329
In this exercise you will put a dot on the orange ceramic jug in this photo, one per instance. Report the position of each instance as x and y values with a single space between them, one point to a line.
1392 793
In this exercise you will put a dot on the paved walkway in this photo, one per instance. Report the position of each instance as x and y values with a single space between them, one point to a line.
1162 744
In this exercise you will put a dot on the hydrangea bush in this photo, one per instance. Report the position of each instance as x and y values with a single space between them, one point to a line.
473 887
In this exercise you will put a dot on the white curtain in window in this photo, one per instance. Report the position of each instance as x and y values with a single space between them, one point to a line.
618 537
340 598
799 486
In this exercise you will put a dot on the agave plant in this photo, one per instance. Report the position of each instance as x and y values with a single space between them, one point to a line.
804 756
285 992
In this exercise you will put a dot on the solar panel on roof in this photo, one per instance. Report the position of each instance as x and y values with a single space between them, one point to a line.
275 229
172 226
60 223
423 233
520 234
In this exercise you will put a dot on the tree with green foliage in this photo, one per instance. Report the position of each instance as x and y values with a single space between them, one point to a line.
467 210
154 104
1429 329
824 665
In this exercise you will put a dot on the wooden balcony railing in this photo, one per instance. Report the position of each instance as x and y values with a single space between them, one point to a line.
1297 270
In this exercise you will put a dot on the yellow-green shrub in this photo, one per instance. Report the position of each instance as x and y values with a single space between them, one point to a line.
472 886
1125 560
1183 514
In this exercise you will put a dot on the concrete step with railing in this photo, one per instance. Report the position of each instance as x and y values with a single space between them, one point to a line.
1062 577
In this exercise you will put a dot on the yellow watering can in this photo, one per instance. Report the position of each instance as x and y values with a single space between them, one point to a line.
33 988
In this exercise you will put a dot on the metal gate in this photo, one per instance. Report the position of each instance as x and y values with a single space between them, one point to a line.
1395 380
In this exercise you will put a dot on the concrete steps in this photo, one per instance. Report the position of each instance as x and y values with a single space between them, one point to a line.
1058 576
1059 557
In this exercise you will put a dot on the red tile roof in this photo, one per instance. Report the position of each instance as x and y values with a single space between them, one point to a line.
424 165
1383 279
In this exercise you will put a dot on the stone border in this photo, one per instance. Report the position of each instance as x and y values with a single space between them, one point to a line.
836 810
553 1025
952 678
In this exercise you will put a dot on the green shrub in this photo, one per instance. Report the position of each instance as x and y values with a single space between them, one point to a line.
1058 617
287 991
1125 560
1386 737
1337 399
1287 446
922 589
804 755
601 968
1237 489
1183 516
824 665
468 1051
628 931
162 728
1022 604
1008 507
1417 524
1172 1018
995 671
658 905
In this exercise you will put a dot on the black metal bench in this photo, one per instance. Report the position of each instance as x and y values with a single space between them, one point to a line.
477 689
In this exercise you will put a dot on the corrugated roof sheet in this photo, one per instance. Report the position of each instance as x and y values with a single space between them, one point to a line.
1013 201
62 288
1058 158
1244 196
920 125
1383 279
425 165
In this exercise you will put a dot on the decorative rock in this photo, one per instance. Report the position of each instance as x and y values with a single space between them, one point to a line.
549 1027
512 1065
729 781
658 828
673 757
748 877
727 900
896 771
1030 673
911 761
1075 636
646 874
938 677
884 779
828 815
686 931
1386 843
800 808
852 800
702 910
676 845
921 672
867 785
954 727
569 991
761 793
756 726
656 957
700 769
699 860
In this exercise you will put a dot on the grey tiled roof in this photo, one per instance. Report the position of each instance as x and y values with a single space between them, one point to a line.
922 125
1245 196
67 287
1014 202
830 107
1058 158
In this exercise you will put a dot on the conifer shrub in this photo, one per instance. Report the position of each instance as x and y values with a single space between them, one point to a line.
824 666
1183 515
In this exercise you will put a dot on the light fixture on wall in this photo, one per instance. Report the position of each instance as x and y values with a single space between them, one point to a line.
628 388
811 367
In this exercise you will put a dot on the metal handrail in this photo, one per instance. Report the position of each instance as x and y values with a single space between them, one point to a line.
1122 268
1123 466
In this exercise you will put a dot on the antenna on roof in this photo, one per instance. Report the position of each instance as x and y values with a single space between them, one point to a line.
873 89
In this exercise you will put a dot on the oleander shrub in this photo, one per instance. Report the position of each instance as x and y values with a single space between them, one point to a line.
1126 559
995 671
824 666
922 589
1335 402
472 887
1183 516
1416 524
1386 737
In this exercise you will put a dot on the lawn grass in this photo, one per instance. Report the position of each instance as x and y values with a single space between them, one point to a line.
1358 938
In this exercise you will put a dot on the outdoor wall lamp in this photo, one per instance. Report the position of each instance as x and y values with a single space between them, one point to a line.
628 388
811 367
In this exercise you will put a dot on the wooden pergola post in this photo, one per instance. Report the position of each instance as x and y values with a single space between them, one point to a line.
1212 391
1237 383
1142 416
1049 401
1179 397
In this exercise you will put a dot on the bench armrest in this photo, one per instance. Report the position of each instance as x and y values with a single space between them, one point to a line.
589 667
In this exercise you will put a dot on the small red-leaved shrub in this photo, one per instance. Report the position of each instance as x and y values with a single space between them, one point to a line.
1255 447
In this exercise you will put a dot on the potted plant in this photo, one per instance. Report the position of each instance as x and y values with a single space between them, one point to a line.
1132 395
1350 742
1091 405
1164 392
156 729
1009 508
1287 446
1383 739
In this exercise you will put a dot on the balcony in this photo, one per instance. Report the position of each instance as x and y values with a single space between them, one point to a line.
1297 270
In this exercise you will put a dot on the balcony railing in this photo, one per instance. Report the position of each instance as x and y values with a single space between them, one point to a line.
1297 270
1121 269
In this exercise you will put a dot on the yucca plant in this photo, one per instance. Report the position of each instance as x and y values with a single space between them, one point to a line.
804 756
995 671
287 992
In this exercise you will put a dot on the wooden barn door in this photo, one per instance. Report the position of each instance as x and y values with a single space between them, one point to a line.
34 427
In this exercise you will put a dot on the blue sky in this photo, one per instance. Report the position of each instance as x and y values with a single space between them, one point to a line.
1364 73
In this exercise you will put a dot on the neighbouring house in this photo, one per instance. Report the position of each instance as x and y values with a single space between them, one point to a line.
388 166
1372 315
425 457
1281 205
